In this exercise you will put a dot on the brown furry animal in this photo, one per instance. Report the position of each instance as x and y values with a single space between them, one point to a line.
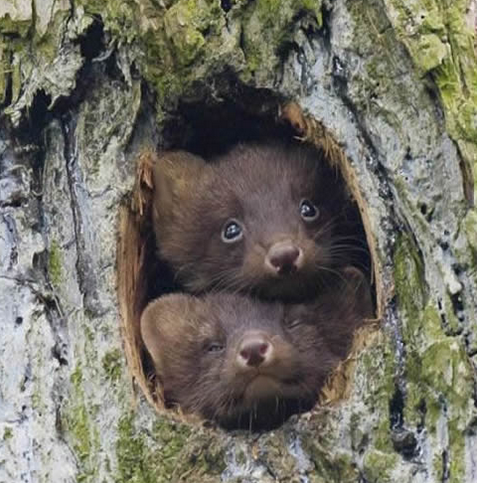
262 218
247 363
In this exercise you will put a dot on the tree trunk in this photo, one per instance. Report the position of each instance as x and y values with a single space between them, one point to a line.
85 86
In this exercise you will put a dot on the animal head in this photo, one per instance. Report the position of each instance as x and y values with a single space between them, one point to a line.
261 218
242 362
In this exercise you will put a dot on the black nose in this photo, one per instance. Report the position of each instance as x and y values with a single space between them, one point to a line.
283 258
254 350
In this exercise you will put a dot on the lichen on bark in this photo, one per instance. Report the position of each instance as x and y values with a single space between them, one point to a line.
89 83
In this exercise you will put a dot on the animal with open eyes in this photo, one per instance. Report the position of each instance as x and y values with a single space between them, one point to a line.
247 363
262 218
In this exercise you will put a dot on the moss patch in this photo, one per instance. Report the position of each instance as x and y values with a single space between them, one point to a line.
78 420
441 43
269 25
339 468
409 277
330 465
378 466
470 229
439 374
28 42
112 364
12 26
186 41
171 452
370 435
4 71
175 43
54 263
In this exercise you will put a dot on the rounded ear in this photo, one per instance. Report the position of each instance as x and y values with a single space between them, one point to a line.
174 176
160 322
151 319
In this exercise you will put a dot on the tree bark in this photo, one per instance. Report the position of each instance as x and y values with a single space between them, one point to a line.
86 85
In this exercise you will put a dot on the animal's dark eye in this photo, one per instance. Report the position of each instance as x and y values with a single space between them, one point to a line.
232 231
215 347
308 210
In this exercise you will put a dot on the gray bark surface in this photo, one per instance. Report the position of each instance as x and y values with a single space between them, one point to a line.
392 83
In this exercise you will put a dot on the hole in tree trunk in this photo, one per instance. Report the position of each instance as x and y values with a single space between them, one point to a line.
210 131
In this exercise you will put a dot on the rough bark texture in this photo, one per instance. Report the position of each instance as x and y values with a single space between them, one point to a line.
85 84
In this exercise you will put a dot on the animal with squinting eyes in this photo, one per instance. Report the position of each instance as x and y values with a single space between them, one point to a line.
246 363
264 219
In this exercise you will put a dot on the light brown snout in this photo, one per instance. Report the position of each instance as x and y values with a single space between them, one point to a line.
254 350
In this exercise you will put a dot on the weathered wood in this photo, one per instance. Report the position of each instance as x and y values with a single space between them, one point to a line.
86 85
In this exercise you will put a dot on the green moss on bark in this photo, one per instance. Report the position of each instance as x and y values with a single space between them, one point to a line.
175 43
11 26
186 25
4 71
378 466
7 434
370 437
186 41
54 263
170 452
441 43
439 375
470 228
23 46
112 364
268 26
81 428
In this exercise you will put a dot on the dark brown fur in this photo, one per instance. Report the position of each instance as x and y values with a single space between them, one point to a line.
261 186
195 344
